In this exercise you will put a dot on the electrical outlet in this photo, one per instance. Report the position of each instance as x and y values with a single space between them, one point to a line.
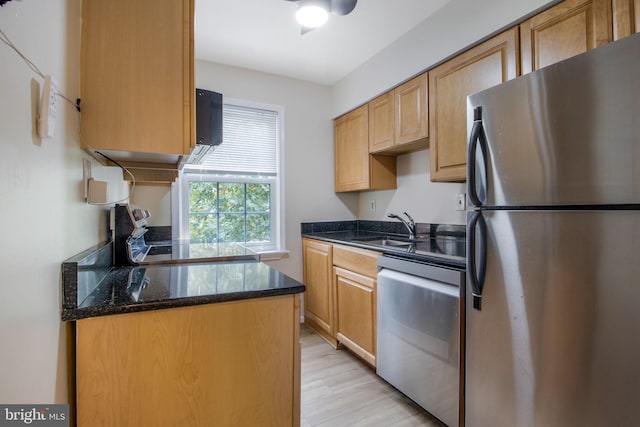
86 176
372 205
461 202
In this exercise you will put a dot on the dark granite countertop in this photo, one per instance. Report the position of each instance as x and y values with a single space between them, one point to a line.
93 287
439 244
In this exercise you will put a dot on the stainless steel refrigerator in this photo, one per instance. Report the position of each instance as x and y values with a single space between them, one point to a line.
553 245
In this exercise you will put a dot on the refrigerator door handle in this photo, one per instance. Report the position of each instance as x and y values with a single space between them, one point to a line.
477 256
477 137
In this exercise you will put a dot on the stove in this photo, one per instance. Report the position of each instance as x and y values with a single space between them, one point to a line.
129 226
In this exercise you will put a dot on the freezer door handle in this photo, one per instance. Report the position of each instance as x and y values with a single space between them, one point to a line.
478 137
476 256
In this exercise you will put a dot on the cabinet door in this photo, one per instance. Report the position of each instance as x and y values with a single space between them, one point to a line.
567 29
351 151
137 85
356 313
355 168
486 65
381 123
191 366
412 111
626 18
319 296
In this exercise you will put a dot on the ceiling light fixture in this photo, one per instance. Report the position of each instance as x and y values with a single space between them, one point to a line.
312 14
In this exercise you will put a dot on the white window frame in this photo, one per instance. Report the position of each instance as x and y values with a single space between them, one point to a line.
180 189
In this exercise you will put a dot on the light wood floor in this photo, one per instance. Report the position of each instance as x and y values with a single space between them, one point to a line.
340 390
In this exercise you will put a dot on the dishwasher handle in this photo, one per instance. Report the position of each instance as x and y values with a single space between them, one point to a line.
417 281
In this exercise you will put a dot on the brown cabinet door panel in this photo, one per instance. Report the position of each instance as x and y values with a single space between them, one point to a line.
381 123
567 29
319 296
479 68
356 313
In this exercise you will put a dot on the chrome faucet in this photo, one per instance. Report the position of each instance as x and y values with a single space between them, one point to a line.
411 225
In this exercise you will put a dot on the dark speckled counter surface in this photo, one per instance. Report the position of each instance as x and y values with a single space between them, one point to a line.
93 287
439 244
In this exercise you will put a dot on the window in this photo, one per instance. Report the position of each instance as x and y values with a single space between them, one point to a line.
234 194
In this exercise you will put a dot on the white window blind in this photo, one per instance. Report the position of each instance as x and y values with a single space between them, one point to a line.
249 144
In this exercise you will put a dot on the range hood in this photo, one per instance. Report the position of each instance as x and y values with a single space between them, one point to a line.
208 124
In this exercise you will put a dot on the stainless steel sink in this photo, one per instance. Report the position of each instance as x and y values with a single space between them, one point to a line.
389 242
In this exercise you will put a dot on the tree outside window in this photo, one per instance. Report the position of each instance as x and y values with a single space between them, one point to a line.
229 212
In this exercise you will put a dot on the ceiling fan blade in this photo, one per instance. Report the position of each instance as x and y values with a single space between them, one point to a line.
343 7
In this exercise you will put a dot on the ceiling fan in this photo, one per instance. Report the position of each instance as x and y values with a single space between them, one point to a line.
313 13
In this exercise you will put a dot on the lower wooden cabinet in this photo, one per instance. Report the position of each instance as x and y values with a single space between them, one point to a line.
319 298
340 300
356 295
227 364
355 272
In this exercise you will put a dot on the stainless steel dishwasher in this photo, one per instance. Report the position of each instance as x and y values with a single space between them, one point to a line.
419 336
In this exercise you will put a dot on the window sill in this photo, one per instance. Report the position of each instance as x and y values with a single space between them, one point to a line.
267 252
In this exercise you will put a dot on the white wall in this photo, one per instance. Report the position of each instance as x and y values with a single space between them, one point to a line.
42 215
416 194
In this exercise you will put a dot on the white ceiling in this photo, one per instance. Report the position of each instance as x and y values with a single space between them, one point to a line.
263 35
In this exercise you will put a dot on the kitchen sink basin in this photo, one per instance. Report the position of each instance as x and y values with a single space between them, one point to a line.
390 242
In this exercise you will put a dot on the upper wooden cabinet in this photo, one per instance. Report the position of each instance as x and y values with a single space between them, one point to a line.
479 68
137 84
411 100
626 17
565 30
398 119
354 168
382 130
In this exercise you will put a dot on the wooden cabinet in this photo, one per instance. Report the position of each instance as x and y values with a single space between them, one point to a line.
479 68
355 280
137 79
398 119
565 30
319 296
354 168
235 363
382 130
412 113
340 300
626 17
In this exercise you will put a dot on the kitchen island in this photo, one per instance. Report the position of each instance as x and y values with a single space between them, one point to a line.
196 344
